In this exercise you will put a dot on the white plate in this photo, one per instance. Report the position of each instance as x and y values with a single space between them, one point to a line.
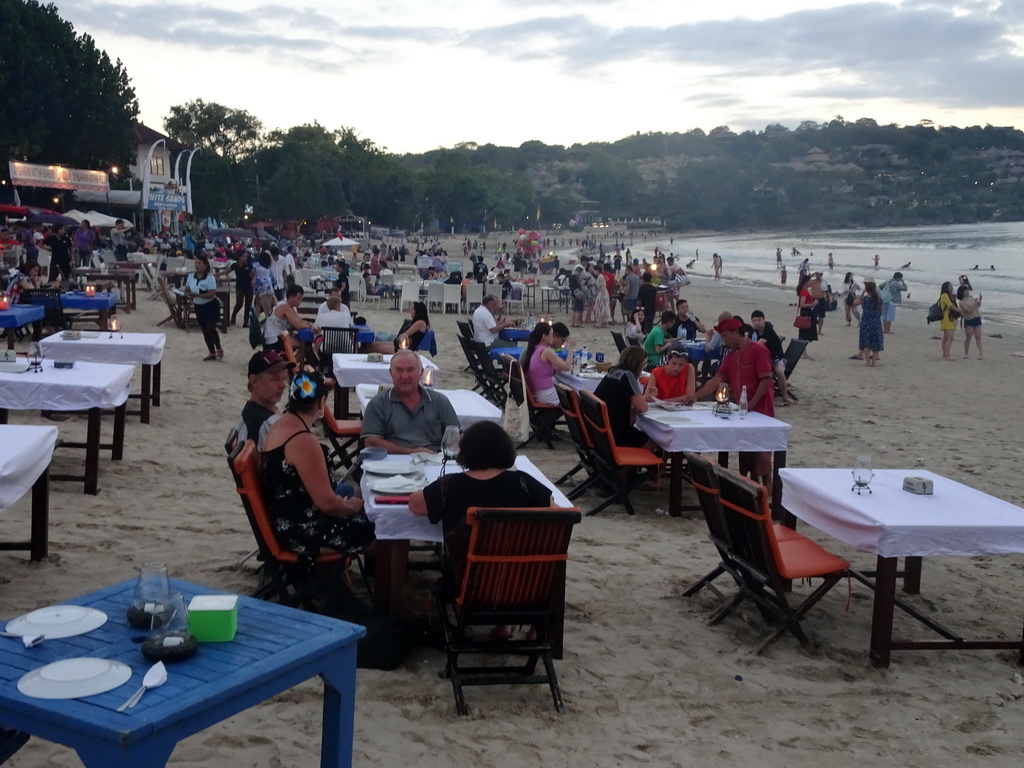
74 678
673 406
396 485
591 375
389 468
56 621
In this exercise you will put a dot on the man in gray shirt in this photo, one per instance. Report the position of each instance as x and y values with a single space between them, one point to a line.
408 418
631 289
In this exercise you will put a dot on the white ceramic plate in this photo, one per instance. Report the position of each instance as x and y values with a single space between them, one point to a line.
74 678
673 406
396 485
56 621
389 468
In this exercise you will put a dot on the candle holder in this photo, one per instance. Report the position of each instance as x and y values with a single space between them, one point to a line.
114 326
35 357
428 377
5 301
403 343
722 405
862 475
90 290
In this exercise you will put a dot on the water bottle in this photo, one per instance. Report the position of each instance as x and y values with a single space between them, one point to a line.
584 356
743 403
531 322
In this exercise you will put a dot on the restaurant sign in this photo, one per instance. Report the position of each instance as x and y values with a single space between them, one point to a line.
161 199
57 177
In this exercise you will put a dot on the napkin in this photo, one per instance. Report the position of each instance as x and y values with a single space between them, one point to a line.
427 458
398 484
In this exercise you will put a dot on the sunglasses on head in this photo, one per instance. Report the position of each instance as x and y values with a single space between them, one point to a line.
676 353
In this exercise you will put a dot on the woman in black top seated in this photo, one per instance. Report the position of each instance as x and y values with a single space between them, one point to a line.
414 327
622 394
305 511
488 455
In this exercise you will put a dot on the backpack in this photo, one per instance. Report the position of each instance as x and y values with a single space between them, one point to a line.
255 328
884 293
934 313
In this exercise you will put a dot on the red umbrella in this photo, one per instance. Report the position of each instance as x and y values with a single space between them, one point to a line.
14 210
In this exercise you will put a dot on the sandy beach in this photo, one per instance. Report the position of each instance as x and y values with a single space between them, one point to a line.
646 682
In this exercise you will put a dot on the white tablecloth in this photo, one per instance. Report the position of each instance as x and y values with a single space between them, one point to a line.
395 521
350 370
470 406
123 349
700 430
24 453
955 520
587 381
87 385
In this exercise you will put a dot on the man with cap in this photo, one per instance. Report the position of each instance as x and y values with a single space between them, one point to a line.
268 380
408 418
749 365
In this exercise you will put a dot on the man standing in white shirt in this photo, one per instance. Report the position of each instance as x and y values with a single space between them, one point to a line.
277 266
289 265
486 325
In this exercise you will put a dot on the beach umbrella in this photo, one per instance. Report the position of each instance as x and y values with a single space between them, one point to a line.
340 242
51 218
14 210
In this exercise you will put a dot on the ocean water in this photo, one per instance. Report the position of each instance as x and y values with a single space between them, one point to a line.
935 254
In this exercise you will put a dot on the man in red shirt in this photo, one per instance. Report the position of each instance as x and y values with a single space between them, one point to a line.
747 365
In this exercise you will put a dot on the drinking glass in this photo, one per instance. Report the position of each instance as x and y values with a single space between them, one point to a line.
450 442
170 616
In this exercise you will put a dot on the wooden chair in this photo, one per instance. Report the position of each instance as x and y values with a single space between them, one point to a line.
343 435
515 573
173 309
543 417
619 465
281 576
794 350
465 328
287 348
569 400
620 342
53 313
489 382
336 341
768 562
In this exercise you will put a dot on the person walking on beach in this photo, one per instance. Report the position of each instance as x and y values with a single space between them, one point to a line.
831 262
871 339
201 286
950 313
778 258
970 312
876 261
892 296
716 262
805 270
850 291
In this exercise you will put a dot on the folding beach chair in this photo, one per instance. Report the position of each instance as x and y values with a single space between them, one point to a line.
515 572
620 466
569 400
489 382
769 563
620 342
794 350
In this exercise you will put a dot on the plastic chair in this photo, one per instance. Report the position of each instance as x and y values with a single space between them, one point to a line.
451 297
435 296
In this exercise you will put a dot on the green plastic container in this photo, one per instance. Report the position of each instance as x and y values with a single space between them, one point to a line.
213 618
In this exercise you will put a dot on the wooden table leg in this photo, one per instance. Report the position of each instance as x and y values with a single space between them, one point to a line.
912 575
389 576
779 513
675 484
92 453
341 410
882 611
557 631
156 384
10 338
723 459
3 415
147 388
117 449
104 321
41 516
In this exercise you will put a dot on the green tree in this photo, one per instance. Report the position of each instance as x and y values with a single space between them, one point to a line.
65 101
231 133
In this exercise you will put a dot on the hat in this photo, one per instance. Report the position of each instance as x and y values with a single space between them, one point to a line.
729 324
261 362
307 387
579 266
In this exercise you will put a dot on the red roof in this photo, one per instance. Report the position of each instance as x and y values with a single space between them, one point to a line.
146 135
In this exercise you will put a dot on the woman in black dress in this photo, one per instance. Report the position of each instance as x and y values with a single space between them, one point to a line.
243 287
624 398
414 328
305 510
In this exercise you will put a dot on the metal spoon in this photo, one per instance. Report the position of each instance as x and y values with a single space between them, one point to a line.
30 641
155 677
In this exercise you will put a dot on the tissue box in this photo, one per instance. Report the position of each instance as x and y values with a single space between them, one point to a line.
213 618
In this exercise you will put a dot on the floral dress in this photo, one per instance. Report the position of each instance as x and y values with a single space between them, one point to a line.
299 525
871 336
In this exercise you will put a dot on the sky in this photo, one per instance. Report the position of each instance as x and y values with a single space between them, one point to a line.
411 76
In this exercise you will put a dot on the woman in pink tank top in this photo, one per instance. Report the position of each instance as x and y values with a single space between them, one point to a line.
539 360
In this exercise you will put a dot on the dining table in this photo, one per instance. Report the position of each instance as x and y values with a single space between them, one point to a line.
353 369
101 303
25 453
515 335
953 520
20 315
395 526
274 649
124 274
144 349
90 387
470 406
699 430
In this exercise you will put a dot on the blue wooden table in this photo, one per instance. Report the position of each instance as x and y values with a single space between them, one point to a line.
102 303
514 334
275 648
18 316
